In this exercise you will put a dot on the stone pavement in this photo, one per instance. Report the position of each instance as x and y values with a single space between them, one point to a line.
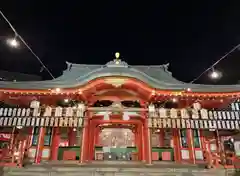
104 169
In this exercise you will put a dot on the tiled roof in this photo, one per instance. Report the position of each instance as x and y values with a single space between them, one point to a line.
155 76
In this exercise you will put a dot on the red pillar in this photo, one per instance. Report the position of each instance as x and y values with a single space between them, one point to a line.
40 145
147 142
190 146
176 142
203 145
84 144
143 143
96 136
91 140
139 142
72 137
136 139
55 143
29 138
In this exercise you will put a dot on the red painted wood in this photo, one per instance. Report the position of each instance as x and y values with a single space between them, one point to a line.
177 154
72 137
40 145
69 155
55 143
190 145
155 156
84 145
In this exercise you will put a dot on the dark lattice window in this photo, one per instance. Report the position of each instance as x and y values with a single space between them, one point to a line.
47 137
196 138
183 135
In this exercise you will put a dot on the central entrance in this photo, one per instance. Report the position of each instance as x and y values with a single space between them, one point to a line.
115 138
117 143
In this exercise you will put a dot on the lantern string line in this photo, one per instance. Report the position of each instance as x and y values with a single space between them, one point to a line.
25 43
214 64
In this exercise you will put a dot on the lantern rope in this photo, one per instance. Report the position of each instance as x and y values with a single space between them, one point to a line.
214 64
25 43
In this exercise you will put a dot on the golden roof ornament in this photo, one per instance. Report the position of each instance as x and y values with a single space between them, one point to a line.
117 60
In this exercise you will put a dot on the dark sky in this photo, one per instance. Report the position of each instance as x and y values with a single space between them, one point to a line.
190 35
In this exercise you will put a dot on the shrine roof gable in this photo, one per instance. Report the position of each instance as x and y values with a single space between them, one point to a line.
158 77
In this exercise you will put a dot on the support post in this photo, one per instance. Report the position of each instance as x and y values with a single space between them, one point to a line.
40 145
91 140
72 137
29 138
143 143
203 144
55 143
84 144
138 141
148 143
96 136
176 142
190 146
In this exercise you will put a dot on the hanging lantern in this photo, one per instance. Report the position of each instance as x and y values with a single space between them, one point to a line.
151 108
81 106
106 116
126 116
35 104
215 74
197 106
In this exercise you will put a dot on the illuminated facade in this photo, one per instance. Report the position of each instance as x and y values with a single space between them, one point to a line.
116 112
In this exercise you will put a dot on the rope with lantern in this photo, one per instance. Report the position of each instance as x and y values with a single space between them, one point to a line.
15 43
214 74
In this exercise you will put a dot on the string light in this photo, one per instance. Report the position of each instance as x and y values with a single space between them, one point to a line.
66 100
213 65
57 89
174 100
15 43
215 74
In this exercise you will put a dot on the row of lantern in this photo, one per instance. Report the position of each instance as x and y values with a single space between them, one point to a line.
194 124
196 106
194 114
235 106
41 121
43 112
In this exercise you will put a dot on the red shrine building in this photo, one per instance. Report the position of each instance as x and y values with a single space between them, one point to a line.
116 112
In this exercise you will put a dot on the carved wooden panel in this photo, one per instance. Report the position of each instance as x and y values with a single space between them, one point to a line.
116 137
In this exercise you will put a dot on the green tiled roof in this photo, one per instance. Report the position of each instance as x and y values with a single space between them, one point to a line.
155 76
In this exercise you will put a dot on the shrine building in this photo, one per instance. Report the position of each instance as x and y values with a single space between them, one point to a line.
115 112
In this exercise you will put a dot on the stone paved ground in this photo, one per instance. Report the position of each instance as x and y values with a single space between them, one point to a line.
108 169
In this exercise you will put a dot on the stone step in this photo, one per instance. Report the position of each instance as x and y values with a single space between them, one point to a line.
111 172
114 174
110 169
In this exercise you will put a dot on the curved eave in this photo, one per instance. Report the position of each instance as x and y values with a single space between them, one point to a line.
129 73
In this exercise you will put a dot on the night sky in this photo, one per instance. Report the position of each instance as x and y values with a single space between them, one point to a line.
190 35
